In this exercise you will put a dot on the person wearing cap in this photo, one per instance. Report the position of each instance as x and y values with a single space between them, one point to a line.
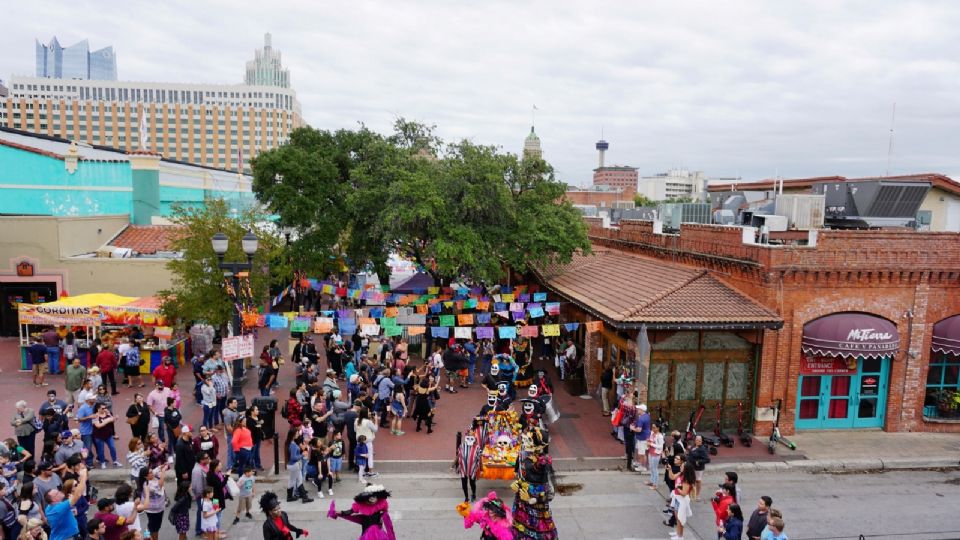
46 480
85 415
165 372
107 362
184 458
115 525
69 446
641 430
157 401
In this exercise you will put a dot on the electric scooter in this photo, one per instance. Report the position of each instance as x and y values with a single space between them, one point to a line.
746 438
725 439
775 436
691 434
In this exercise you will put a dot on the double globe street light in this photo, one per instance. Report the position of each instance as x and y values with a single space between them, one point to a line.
232 270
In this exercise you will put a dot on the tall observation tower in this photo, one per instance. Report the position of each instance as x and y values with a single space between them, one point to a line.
602 147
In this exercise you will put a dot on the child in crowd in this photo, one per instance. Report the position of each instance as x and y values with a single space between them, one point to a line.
175 394
245 498
361 455
208 514
9 470
336 456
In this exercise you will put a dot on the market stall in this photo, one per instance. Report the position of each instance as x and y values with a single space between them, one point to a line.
109 317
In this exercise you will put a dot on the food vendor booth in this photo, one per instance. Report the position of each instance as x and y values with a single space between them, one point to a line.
109 317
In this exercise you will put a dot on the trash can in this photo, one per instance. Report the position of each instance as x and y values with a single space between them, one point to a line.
268 413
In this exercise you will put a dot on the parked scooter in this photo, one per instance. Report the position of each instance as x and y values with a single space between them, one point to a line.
746 438
724 439
775 436
691 434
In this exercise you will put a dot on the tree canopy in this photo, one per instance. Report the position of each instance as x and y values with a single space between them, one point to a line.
456 209
197 292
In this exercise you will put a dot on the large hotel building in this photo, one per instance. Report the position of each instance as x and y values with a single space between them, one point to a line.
213 125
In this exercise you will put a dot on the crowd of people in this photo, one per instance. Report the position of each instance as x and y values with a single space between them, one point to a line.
684 464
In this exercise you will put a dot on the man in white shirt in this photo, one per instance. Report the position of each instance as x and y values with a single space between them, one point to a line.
570 359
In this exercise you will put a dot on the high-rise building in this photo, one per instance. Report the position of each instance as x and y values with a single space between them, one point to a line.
221 126
265 69
673 184
531 145
75 62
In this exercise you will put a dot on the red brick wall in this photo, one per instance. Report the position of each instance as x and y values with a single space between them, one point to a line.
910 278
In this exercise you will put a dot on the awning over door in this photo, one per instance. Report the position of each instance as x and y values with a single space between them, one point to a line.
946 336
850 335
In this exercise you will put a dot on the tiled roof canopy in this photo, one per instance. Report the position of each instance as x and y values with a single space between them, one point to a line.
628 290
147 239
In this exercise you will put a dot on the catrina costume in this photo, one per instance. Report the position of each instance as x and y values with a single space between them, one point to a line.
469 451
532 518
494 518
371 511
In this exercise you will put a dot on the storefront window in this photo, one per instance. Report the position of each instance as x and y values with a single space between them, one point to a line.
659 381
737 380
686 382
713 380
943 375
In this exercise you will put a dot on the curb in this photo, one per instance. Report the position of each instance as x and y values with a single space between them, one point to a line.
841 465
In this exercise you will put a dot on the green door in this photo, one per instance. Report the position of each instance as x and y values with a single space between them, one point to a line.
857 400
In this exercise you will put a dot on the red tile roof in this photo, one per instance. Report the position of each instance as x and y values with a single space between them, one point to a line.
147 239
627 289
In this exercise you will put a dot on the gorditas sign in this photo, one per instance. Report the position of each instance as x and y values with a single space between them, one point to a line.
58 315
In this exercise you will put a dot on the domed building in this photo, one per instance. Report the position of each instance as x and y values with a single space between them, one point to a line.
531 145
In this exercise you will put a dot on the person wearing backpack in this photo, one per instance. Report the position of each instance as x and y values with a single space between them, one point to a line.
131 365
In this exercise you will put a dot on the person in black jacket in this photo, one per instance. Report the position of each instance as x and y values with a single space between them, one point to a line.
699 457
184 457
758 520
277 520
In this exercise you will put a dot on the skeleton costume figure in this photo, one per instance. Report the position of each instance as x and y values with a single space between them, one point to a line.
493 404
371 511
491 379
494 518
507 372
531 412
532 518
544 396
469 451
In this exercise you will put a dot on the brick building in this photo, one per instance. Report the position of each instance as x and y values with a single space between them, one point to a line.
870 331
616 176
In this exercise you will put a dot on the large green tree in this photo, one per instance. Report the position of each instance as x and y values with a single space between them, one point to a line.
458 209
197 292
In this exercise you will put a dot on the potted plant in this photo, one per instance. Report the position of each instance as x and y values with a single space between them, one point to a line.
948 403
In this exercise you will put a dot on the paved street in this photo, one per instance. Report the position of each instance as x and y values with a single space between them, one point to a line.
893 505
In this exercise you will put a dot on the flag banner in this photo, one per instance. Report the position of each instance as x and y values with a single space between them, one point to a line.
391 312
416 330
433 290
502 314
347 327
483 318
423 308
536 312
300 324
436 308
518 315
388 321
507 297
552 308
290 315
367 320
594 326
390 331
413 319
277 321
530 331
463 332
446 320
440 331
507 332
327 288
459 304
572 326
463 291
370 329
551 330
448 304
533 305
484 332
376 312
345 314
497 298
471 303
500 306
523 297
465 319
516 306
483 305
540 297
341 291
327 313
323 325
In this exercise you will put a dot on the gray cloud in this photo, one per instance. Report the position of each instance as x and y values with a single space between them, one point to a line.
736 87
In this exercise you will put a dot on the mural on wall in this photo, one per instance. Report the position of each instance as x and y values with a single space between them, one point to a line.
71 204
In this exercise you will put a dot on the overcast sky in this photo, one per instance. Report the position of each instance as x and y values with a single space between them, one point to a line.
731 88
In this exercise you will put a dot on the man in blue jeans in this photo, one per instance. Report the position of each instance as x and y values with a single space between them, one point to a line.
471 348
85 416
52 342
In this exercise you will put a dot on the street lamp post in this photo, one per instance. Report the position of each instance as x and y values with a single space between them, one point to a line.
232 270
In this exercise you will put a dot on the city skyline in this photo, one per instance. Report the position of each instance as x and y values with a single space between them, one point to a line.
744 89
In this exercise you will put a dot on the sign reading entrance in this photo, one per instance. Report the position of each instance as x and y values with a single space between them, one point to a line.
825 365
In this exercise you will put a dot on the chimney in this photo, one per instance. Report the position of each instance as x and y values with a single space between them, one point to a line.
145 170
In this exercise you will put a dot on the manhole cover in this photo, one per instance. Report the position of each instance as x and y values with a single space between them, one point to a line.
566 490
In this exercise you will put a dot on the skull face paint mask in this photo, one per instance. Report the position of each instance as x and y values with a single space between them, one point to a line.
528 408
502 389
532 391
495 369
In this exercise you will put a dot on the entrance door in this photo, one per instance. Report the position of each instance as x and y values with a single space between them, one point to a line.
857 400
13 293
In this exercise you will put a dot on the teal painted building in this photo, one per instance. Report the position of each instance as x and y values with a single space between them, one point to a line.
41 175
